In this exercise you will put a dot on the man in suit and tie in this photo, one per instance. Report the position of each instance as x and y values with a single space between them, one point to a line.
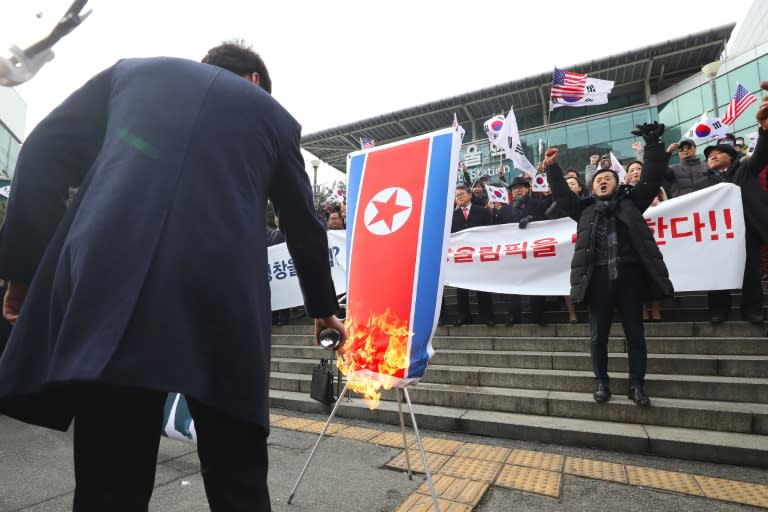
521 211
469 215
154 278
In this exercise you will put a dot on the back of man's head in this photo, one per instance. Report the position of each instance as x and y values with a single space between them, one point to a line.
238 57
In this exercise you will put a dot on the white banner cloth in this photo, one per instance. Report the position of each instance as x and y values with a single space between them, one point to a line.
283 282
701 236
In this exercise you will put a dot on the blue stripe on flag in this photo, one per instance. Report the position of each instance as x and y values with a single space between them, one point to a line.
354 177
427 299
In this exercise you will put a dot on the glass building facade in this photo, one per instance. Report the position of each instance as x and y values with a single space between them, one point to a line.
578 132
13 112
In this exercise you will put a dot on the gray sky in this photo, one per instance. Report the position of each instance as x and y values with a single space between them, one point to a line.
338 61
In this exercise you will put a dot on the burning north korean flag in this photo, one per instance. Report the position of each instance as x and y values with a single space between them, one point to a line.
399 199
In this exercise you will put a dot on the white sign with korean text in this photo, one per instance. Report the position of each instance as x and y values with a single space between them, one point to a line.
700 235
283 282
507 259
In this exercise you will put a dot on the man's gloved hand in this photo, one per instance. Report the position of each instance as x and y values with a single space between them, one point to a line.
524 221
650 132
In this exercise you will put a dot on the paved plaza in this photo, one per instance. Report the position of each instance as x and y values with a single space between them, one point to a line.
361 466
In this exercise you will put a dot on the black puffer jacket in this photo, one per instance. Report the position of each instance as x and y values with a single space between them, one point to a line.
682 176
631 203
744 174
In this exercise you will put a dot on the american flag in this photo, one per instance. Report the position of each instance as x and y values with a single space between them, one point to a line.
740 102
566 84
367 143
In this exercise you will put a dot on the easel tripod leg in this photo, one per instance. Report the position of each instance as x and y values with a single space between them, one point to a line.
314 448
402 429
424 461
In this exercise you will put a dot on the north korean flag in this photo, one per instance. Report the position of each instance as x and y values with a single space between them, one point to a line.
399 205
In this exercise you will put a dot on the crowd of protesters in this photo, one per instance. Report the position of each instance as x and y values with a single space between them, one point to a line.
726 160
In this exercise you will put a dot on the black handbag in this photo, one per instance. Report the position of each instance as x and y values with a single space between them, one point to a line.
322 382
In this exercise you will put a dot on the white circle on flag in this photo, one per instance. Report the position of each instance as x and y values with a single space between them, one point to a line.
388 211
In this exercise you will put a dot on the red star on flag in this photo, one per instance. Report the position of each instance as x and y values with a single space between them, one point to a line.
387 210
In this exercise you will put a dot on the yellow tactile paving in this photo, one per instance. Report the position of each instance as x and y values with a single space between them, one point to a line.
435 461
539 460
483 452
358 433
467 469
438 445
292 423
473 469
460 490
667 480
731 490
393 439
597 469
533 480
422 503
317 426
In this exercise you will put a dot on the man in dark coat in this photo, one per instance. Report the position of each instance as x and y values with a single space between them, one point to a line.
726 166
616 260
469 215
682 176
154 279
521 211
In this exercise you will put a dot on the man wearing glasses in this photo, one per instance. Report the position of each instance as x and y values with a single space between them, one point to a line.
682 176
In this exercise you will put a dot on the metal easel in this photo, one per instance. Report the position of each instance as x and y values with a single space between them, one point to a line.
398 391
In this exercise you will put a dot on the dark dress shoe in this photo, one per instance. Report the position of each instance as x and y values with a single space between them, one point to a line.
754 318
490 323
602 393
509 323
637 395
458 323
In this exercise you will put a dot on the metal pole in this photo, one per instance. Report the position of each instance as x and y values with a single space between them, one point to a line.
714 96
314 188
402 429
424 461
314 448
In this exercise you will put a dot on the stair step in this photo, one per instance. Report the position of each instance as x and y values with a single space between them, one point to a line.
748 418
757 346
675 364
704 387
694 444
654 329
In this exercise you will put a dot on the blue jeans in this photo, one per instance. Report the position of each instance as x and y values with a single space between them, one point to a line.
626 293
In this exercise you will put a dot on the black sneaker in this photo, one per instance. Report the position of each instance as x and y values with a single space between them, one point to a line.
602 393
637 395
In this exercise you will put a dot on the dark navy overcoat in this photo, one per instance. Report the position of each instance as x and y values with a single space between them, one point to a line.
156 275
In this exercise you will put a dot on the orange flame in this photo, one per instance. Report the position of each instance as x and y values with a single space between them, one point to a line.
374 355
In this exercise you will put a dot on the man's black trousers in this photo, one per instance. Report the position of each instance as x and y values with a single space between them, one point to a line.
626 293
752 287
483 303
117 435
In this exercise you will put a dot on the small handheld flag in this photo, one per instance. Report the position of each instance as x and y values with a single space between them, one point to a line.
497 194
739 103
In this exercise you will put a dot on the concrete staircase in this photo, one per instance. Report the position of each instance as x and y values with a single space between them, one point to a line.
708 385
